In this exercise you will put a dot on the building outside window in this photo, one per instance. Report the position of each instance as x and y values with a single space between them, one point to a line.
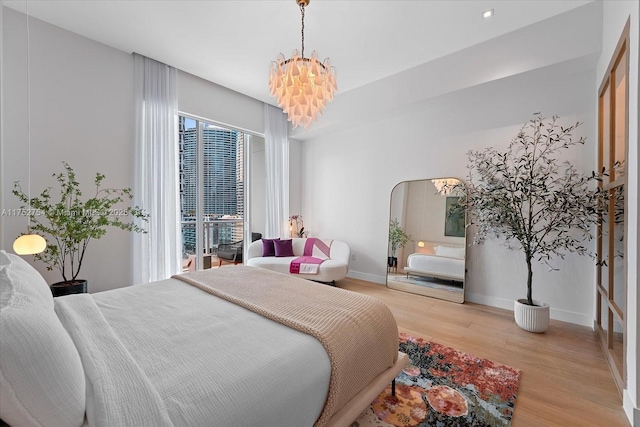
213 156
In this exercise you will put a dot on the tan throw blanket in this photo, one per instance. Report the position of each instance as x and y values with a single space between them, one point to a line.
358 332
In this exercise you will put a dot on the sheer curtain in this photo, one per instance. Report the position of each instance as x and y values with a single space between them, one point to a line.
277 166
156 255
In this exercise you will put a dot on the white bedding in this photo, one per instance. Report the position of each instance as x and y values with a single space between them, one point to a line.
435 266
142 337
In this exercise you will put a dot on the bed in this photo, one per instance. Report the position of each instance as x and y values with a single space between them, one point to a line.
237 346
443 261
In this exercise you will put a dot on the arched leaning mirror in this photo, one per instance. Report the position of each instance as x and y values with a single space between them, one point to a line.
427 238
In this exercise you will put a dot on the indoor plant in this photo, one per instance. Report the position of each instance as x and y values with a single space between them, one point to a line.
397 239
526 195
298 230
69 223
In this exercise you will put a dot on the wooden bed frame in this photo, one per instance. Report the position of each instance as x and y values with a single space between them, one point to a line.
360 402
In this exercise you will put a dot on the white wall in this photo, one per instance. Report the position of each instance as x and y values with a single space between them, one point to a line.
82 112
202 98
2 232
615 15
350 171
351 202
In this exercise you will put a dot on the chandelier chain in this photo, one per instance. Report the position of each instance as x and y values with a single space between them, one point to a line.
302 31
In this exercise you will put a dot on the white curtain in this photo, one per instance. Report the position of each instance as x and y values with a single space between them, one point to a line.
277 166
156 255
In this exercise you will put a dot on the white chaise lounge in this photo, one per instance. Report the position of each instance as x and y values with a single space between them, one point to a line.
333 269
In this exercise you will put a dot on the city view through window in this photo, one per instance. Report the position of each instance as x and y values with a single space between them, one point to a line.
220 196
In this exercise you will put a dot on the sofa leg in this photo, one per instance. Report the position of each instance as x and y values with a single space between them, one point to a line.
331 283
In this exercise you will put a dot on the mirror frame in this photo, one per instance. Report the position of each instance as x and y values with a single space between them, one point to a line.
426 245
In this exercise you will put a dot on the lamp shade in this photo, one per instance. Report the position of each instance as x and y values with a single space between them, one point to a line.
29 244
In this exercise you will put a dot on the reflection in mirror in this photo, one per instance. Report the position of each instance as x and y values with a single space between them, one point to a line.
432 261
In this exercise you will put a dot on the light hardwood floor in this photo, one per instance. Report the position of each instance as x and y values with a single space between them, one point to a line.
565 378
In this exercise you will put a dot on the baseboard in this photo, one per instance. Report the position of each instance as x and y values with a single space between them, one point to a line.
507 304
368 277
633 412
571 317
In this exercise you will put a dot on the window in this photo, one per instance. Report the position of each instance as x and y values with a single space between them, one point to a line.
211 168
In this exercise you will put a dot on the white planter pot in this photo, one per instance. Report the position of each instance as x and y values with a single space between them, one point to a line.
532 318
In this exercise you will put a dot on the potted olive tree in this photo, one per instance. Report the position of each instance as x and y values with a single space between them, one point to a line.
527 196
69 224
397 239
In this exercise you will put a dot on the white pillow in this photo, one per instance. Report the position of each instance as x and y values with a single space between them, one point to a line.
450 252
42 382
30 281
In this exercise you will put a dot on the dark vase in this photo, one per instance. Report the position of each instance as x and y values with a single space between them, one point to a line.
69 287
392 261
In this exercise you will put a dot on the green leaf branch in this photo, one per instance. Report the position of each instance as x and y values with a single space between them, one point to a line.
69 223
525 194
397 236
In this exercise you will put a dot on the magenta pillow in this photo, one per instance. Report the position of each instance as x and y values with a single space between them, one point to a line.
283 247
268 248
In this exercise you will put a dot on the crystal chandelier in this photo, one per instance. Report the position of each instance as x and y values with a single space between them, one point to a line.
303 86
446 186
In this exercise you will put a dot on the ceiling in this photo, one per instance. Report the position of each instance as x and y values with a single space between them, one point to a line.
232 43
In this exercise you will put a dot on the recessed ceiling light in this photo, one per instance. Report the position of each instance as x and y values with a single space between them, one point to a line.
487 14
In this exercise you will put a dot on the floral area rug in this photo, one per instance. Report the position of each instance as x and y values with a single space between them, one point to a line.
444 387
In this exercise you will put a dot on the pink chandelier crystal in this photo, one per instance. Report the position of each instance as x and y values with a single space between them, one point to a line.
302 86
